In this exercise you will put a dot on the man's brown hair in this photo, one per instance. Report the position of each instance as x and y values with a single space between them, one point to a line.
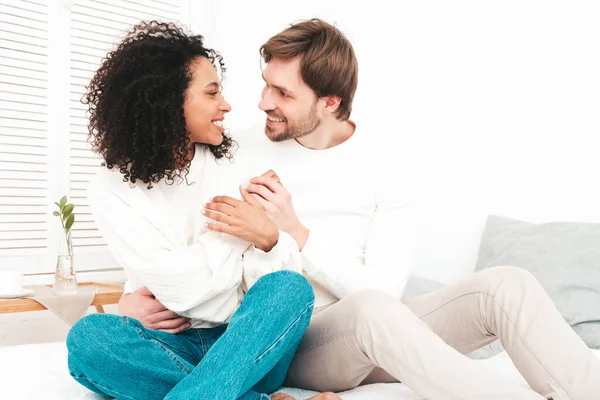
328 66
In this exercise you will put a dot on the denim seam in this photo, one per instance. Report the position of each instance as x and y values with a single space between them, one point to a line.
102 387
562 385
164 349
165 344
280 338
203 343
205 347
140 333
147 335
172 356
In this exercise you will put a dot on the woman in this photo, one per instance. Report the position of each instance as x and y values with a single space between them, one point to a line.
156 118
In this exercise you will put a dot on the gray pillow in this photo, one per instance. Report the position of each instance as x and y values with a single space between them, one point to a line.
563 256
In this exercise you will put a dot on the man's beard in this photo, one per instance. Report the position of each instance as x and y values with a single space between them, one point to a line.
296 129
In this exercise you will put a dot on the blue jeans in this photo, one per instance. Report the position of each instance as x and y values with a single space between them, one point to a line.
116 356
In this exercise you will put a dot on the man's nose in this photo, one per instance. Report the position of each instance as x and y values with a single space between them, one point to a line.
266 104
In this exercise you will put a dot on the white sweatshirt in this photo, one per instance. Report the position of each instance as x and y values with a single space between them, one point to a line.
356 200
158 236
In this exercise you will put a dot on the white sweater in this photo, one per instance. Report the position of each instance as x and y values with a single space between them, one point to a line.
158 237
356 200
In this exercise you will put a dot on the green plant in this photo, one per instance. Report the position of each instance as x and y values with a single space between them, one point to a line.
67 218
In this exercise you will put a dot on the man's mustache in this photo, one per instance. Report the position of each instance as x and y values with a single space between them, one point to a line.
273 115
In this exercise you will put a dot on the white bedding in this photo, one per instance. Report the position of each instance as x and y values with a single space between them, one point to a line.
40 372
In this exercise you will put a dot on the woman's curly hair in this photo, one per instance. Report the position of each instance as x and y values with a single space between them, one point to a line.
136 99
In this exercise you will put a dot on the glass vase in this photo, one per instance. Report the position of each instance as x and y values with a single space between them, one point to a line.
65 279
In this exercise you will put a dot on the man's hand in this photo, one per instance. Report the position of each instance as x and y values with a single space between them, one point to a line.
143 306
243 219
276 200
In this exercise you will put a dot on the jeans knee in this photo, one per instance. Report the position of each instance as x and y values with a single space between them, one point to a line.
287 286
84 336
81 330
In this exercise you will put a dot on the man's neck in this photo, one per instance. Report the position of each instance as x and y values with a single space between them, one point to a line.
328 135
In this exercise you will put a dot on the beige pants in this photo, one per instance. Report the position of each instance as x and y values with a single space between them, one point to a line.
370 337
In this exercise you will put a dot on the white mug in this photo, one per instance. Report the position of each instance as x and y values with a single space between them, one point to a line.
11 282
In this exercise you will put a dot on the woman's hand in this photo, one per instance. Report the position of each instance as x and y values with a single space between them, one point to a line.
243 219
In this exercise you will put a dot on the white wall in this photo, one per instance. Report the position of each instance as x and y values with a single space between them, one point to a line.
499 99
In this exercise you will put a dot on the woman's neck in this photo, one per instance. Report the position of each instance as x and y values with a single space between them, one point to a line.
191 152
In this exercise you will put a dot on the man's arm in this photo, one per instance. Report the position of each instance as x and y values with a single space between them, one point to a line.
389 254
389 248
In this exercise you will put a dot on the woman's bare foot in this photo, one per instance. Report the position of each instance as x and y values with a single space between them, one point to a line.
322 396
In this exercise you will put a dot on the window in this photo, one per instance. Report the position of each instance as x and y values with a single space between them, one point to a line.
49 51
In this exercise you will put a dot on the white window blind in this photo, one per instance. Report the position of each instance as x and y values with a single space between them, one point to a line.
43 157
24 144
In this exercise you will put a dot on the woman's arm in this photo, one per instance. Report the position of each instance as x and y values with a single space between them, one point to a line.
180 276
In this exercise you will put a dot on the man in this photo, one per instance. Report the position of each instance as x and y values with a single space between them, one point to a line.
351 219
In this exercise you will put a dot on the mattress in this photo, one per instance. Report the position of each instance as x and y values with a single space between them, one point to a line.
39 371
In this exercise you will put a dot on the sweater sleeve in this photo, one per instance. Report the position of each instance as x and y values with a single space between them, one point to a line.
390 245
284 256
180 276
